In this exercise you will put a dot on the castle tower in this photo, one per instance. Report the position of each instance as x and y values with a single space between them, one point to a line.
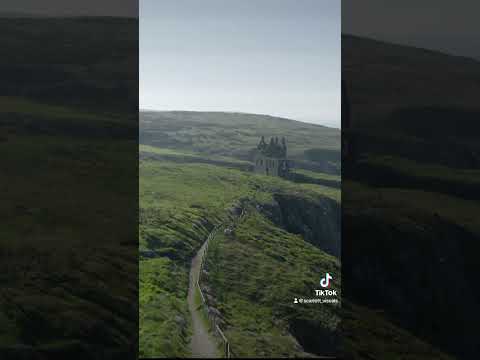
271 159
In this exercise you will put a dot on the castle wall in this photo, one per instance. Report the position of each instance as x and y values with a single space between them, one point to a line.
268 166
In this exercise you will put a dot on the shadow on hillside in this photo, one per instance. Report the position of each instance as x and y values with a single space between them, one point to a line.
409 193
69 228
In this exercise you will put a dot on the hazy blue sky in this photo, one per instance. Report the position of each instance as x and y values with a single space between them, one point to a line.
276 57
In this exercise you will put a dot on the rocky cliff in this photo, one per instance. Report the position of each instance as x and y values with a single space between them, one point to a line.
317 220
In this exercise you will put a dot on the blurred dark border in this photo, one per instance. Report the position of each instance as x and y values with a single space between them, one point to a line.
69 139
411 170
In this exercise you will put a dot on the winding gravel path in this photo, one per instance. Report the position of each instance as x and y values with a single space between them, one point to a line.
202 343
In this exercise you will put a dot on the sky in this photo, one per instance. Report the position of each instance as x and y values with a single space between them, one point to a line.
443 25
275 57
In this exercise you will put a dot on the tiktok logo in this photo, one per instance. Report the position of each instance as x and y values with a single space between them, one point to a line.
325 282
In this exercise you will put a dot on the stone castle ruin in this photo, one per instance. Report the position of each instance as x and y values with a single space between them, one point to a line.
271 159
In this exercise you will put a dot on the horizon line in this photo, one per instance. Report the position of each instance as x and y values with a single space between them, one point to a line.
435 50
239 112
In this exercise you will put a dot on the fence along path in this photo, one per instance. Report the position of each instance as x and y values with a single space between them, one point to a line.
212 317
202 343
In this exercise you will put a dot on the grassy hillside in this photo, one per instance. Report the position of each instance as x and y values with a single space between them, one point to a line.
413 103
151 152
410 196
179 204
69 139
253 279
67 281
190 179
398 77
434 234
236 134
85 62
368 334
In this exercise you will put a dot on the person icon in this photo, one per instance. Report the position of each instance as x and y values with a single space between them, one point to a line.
295 301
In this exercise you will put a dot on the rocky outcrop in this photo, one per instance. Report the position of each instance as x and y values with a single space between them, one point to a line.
317 220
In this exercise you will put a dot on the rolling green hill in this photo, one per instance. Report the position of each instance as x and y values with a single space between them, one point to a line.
68 135
413 103
253 276
179 204
411 194
192 176
76 61
69 271
236 134
398 77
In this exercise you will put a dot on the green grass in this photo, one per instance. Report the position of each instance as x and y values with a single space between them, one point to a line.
317 175
164 319
87 63
234 135
190 156
26 107
415 203
175 218
68 253
179 204
411 228
368 334
267 268
430 172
